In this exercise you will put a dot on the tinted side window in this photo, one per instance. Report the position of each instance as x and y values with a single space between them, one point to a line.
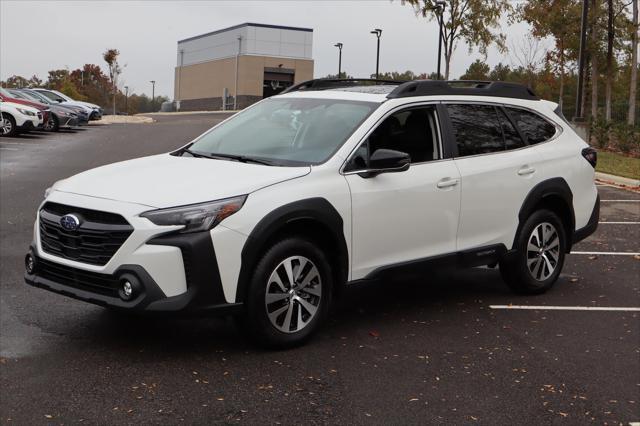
413 131
512 139
476 129
535 128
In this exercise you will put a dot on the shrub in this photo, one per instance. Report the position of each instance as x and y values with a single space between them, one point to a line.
626 137
600 132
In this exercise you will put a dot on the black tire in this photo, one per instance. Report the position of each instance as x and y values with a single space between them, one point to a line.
9 128
52 125
257 321
528 271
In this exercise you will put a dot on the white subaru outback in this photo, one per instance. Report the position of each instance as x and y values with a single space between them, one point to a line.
270 213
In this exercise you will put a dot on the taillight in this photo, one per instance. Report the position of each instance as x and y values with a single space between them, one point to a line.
591 155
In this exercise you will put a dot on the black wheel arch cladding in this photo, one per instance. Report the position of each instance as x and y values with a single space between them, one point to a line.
317 212
554 194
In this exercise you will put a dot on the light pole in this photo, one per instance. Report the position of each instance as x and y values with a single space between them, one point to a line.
440 5
339 46
378 33
235 90
579 116
153 94
126 99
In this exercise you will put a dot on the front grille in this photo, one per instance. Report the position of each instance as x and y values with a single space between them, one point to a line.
84 280
96 240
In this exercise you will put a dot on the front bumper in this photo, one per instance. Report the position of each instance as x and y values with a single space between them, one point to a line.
204 288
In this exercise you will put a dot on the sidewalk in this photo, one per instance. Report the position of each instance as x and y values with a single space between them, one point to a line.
618 180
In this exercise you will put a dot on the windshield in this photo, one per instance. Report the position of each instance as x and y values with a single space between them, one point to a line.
286 131
38 97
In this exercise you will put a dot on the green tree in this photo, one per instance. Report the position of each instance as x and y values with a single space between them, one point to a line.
478 70
16 81
57 78
560 21
500 73
476 22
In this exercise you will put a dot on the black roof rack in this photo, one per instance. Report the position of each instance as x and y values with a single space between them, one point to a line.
337 83
463 87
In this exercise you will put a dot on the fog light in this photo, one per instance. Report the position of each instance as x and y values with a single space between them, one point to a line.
127 290
30 263
130 287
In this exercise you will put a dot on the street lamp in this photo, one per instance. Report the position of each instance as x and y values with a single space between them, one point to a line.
339 46
378 33
439 9
153 93
126 100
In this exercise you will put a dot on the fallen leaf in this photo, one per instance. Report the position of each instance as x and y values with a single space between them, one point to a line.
374 334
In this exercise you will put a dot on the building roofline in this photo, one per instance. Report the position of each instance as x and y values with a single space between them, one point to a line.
247 24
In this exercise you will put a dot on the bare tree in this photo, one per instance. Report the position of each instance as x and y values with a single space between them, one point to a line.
529 55
110 56
595 10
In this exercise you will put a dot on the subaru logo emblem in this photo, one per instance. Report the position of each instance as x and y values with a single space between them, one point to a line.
70 222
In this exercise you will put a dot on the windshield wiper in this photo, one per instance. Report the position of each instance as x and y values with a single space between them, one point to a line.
233 157
240 158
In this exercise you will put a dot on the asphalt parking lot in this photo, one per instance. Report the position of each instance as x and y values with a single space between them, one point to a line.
439 350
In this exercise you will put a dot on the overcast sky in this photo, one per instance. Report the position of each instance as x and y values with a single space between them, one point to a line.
37 36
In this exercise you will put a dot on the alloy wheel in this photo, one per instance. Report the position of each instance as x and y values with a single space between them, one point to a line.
543 251
293 294
6 127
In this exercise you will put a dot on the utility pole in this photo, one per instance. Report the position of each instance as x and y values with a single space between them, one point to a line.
126 99
378 33
440 5
153 95
581 61
235 93
339 46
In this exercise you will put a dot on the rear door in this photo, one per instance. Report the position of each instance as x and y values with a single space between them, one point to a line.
406 216
497 171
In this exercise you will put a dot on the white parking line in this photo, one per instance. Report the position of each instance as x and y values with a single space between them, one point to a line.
9 149
620 223
606 253
567 308
620 201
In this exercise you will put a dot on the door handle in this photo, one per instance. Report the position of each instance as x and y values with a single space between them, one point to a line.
447 182
526 170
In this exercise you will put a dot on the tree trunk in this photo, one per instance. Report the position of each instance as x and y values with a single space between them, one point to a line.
561 96
631 119
609 83
594 60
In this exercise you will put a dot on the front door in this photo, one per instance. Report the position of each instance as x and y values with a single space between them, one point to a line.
404 216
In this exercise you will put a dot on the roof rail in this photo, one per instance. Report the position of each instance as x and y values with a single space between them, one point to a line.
335 83
463 87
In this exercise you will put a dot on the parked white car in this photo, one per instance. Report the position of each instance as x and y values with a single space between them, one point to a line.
93 111
16 118
271 213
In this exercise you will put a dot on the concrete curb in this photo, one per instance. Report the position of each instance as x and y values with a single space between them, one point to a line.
618 180
189 112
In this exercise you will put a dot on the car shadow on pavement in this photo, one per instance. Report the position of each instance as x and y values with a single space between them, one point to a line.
357 307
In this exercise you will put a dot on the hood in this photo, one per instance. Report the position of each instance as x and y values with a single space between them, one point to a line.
167 181
89 105
36 105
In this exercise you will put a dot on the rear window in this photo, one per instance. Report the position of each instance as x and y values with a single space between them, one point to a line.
533 127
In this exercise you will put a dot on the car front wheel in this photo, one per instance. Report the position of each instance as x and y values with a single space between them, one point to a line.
289 293
8 126
539 255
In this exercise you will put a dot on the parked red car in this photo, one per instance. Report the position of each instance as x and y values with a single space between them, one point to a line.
6 97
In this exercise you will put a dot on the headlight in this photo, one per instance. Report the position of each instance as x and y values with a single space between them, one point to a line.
26 112
196 217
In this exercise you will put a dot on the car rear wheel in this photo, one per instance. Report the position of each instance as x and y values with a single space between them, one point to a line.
289 293
539 256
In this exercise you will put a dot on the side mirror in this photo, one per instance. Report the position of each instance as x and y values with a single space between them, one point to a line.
387 161
60 100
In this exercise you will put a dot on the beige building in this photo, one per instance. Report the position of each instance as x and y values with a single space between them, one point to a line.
256 60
